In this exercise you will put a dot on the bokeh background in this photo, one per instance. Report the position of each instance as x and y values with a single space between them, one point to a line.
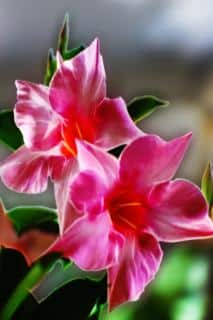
162 47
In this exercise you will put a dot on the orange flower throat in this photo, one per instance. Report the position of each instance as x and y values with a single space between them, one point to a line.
81 129
127 210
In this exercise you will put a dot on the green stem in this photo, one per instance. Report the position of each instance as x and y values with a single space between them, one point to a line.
21 291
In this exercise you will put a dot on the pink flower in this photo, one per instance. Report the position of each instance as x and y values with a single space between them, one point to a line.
127 207
51 118
31 243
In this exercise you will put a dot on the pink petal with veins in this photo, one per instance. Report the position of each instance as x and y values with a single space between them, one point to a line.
91 242
150 160
178 212
139 261
113 125
79 84
96 159
87 192
66 212
39 124
27 171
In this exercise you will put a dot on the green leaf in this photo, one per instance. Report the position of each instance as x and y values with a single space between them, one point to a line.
63 39
141 107
207 184
28 217
72 52
51 66
59 275
10 135
63 42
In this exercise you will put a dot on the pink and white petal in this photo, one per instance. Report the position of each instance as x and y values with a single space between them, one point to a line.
27 171
56 164
79 84
150 160
113 124
178 212
67 213
39 124
139 262
87 192
101 162
90 242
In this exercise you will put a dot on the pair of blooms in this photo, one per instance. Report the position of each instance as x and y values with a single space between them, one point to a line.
113 213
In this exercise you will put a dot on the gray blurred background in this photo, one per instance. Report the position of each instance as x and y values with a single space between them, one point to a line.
161 47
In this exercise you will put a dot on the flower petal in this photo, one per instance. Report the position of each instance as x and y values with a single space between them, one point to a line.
150 159
27 171
94 158
139 262
89 158
66 211
90 242
113 124
87 192
35 118
178 212
79 83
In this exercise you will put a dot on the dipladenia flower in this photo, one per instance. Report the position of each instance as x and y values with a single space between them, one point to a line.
52 118
31 243
127 207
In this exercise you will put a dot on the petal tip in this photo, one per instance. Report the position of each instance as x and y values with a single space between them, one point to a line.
188 136
95 45
19 83
59 59
96 42
184 141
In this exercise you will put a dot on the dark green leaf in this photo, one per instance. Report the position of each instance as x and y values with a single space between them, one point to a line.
51 66
72 52
28 217
10 135
141 107
63 39
207 184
